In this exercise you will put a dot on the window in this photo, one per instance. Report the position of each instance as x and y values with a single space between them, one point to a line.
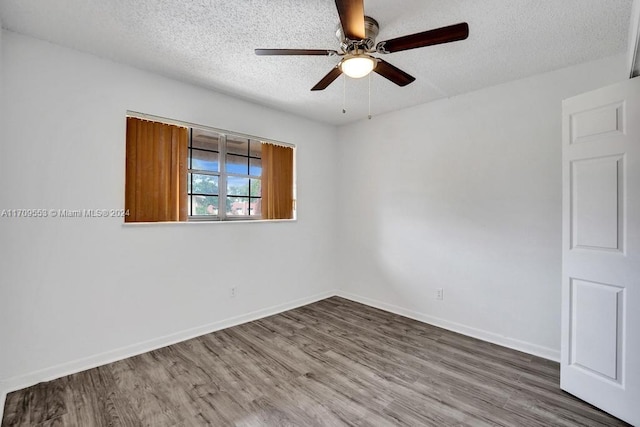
182 173
229 188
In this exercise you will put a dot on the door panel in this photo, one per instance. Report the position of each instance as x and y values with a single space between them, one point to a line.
595 219
593 123
600 360
596 330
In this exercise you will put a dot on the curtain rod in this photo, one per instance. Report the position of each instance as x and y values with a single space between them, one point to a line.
181 123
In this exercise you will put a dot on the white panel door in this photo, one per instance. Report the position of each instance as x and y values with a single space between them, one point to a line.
600 360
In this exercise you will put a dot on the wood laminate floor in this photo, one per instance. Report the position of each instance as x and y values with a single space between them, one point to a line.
334 362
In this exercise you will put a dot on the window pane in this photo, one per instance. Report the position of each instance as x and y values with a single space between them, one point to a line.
205 140
203 184
255 188
204 160
238 206
255 209
255 167
237 164
255 149
236 145
237 186
205 205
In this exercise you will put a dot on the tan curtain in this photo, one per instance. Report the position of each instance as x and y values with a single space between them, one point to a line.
277 182
156 177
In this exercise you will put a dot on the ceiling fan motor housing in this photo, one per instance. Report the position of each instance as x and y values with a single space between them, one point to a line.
371 29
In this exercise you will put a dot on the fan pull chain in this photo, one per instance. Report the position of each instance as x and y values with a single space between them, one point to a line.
369 96
344 94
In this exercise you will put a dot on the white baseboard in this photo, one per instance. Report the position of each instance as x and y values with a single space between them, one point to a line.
68 368
527 347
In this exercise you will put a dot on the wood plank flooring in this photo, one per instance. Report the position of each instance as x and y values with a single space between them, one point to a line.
331 363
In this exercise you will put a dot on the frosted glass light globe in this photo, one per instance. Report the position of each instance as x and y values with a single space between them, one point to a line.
357 66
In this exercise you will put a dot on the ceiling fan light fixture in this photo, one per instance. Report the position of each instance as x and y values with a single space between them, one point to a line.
357 66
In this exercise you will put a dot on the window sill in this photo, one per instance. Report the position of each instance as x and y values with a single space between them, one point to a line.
201 222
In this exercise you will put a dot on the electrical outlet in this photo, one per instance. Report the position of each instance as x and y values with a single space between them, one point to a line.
440 293
232 292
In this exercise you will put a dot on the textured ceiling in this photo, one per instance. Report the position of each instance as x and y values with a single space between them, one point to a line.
210 43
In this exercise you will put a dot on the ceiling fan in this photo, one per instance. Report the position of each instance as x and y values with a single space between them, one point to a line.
357 35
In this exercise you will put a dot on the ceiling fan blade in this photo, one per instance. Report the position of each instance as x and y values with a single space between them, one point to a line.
328 79
448 34
393 73
351 14
315 52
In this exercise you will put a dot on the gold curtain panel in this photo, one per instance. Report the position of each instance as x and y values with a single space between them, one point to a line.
156 177
277 182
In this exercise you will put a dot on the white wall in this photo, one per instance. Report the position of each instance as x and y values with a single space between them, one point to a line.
1 61
464 194
633 64
89 288
3 391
